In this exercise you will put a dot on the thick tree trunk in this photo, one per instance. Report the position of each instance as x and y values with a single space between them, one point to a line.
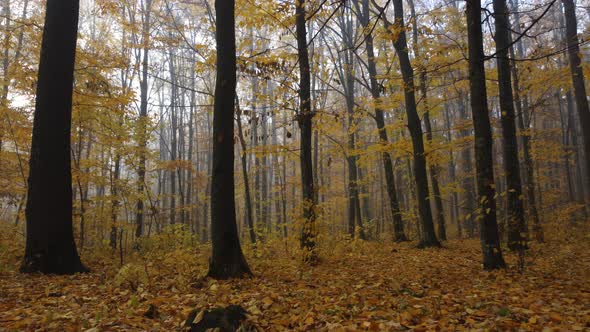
516 224
490 241
305 117
227 259
50 246
580 190
571 27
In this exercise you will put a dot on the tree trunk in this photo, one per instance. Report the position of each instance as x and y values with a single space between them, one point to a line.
244 159
227 259
115 202
264 199
5 63
143 118
468 181
304 118
415 127
522 111
454 200
490 241
346 76
173 139
440 215
398 224
514 205
571 27
190 210
50 246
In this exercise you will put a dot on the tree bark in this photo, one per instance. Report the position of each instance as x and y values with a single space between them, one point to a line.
415 127
244 160
522 112
516 223
454 201
50 246
227 259
304 118
490 241
433 169
347 79
571 27
143 118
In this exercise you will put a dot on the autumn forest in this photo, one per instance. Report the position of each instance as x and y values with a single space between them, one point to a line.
305 165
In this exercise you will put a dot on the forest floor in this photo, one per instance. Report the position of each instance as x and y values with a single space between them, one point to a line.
375 286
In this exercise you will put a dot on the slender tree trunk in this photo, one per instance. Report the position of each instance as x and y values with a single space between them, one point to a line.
515 210
181 156
522 112
434 172
264 199
115 202
415 127
276 179
206 220
454 200
398 224
565 141
490 241
468 181
304 118
190 215
364 193
173 138
244 159
50 245
227 259
346 75
143 118
6 13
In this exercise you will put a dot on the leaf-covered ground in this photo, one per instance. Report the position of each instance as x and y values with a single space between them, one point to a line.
358 286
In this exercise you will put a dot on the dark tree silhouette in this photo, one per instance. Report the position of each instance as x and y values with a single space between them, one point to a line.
143 117
484 164
573 46
50 247
516 223
415 127
227 259
305 117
